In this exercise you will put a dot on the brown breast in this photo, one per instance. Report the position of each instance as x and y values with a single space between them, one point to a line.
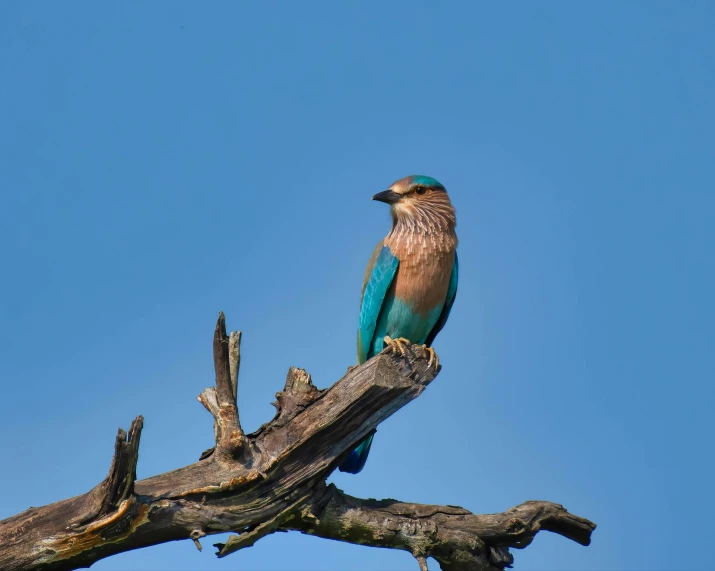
425 268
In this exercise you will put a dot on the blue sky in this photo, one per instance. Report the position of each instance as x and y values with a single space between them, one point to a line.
161 161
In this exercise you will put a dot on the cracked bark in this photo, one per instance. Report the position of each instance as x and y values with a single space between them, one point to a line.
274 480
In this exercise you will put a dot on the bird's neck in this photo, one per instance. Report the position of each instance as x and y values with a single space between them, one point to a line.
423 229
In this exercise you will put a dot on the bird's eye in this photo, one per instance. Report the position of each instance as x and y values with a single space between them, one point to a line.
420 190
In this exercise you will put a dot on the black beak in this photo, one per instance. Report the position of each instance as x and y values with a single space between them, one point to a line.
387 196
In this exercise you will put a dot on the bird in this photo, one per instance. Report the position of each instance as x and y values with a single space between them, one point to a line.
410 282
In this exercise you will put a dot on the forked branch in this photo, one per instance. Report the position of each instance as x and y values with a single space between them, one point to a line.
274 480
221 400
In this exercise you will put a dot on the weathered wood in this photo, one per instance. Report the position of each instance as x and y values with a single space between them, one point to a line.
274 479
52 536
119 484
222 400
230 440
234 361
436 531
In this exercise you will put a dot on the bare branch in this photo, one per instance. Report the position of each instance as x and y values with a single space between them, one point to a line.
298 393
221 401
438 531
72 527
119 484
274 480
234 361
222 365
253 533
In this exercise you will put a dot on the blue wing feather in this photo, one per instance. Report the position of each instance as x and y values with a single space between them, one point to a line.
451 295
378 281
355 462
380 273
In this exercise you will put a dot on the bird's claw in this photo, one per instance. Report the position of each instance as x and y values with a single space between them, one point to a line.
433 358
397 345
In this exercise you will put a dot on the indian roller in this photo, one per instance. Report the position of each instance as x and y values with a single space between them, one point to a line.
411 279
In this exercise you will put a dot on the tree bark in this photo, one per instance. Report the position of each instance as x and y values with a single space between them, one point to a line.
274 480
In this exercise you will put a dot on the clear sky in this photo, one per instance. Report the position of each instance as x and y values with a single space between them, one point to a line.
160 161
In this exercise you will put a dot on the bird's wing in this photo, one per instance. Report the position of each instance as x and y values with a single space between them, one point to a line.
381 270
370 266
451 294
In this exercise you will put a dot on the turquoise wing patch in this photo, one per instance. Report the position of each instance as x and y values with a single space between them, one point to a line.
376 288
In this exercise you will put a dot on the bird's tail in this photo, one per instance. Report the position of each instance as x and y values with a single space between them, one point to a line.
357 458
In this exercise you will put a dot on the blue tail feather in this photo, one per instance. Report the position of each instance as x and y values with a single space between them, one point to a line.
356 461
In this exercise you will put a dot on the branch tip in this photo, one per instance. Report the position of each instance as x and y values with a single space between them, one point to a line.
118 486
253 534
230 439
234 361
222 366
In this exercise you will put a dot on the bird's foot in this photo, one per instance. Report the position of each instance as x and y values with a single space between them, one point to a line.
396 345
433 358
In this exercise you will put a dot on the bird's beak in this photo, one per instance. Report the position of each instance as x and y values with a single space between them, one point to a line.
388 196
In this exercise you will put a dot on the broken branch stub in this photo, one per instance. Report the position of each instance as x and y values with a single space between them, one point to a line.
221 400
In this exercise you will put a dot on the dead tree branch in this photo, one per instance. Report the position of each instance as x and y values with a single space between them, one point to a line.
221 400
274 479
457 538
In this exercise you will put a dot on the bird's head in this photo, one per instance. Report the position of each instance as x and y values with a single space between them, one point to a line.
419 201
